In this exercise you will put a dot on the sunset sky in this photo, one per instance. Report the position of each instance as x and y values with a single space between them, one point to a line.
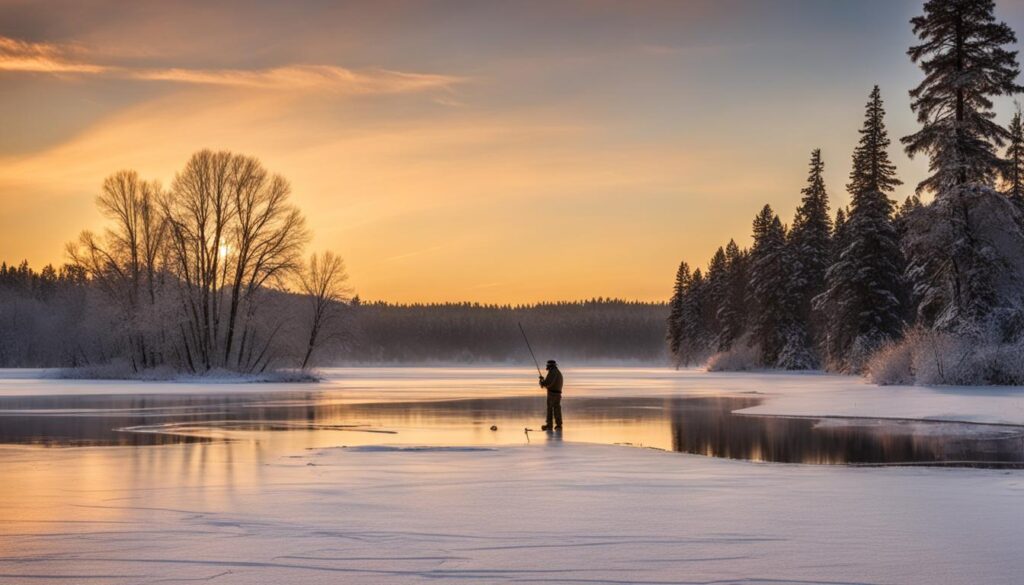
483 151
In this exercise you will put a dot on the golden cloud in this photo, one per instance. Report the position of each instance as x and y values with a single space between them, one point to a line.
29 57
18 55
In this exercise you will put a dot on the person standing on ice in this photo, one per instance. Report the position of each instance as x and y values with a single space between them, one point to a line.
553 383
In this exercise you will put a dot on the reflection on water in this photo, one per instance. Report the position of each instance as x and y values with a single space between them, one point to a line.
285 422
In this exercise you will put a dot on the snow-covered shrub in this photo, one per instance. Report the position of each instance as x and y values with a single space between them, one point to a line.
924 356
893 363
941 359
740 358
938 358
998 364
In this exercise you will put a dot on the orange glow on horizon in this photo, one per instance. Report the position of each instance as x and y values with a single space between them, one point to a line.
504 156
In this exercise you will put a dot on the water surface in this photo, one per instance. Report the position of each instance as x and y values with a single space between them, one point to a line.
283 422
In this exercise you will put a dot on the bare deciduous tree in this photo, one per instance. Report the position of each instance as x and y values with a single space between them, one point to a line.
126 262
187 265
233 231
323 281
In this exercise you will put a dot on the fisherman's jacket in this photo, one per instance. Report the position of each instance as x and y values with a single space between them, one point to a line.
553 381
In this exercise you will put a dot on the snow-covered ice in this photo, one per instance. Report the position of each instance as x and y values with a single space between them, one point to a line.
547 512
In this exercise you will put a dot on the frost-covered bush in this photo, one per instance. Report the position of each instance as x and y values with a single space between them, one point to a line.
922 357
999 364
741 357
941 359
938 358
892 364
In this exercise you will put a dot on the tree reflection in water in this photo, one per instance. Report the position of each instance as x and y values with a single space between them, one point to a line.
698 425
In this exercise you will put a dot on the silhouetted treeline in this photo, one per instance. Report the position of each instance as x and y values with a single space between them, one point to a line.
62 318
597 330
40 313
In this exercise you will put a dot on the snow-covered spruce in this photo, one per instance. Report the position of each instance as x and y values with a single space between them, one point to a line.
674 325
770 290
965 58
1013 173
732 307
810 247
862 302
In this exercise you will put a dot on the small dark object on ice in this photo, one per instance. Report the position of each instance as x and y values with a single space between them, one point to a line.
494 427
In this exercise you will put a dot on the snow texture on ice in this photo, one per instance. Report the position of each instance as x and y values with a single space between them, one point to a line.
558 513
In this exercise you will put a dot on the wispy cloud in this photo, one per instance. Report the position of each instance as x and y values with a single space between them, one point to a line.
29 57
302 77
18 55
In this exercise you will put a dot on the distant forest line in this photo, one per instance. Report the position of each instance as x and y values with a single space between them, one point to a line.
594 331
54 317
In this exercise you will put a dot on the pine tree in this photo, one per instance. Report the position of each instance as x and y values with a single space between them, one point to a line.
832 344
769 286
965 63
838 235
811 231
694 336
732 312
674 334
962 249
1013 173
810 247
901 220
863 299
906 209
873 172
717 291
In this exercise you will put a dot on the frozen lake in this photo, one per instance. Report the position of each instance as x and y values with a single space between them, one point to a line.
459 407
394 475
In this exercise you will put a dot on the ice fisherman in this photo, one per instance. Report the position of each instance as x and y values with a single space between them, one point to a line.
553 383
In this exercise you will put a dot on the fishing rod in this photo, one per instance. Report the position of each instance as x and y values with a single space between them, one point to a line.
535 362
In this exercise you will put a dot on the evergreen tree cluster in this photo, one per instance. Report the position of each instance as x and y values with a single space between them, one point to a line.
763 296
833 292
41 313
43 284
